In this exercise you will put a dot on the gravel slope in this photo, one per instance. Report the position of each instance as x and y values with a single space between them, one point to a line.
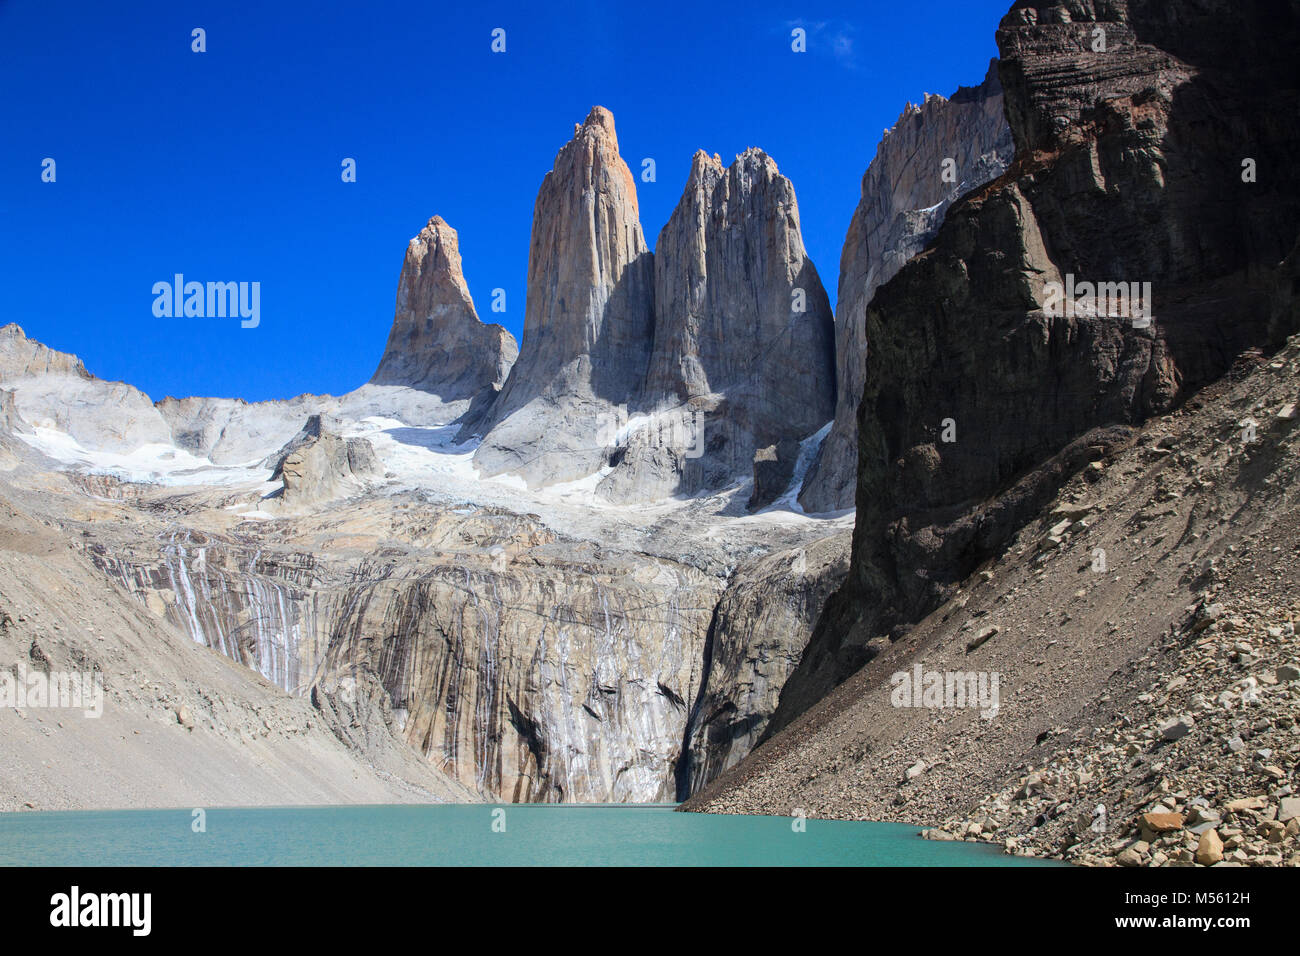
1086 658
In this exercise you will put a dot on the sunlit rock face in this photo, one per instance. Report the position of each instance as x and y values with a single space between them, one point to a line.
743 353
518 662
437 343
588 319
52 389
523 666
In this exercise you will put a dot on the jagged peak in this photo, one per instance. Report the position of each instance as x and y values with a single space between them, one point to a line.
594 141
702 161
434 251
754 155
754 166
439 231
599 122
930 102
599 116
23 355
707 169
437 342
989 86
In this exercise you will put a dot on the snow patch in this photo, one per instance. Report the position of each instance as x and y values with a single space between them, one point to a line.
154 463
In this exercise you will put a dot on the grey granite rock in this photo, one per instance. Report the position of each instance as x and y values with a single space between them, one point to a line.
317 466
743 352
231 431
437 343
10 420
587 320
52 389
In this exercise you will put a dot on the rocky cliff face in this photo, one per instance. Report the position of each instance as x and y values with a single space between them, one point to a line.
588 319
513 664
520 662
756 638
437 343
180 725
743 354
11 425
551 656
230 431
52 389
1129 169
935 153
11 422
318 466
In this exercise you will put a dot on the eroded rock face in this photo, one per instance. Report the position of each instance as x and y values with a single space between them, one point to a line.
935 153
230 431
588 319
531 667
437 343
1129 169
743 342
178 725
11 425
52 389
518 660
10 420
318 465
21 357
759 630
541 682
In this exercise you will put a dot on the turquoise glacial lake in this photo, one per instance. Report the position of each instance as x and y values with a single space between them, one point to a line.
467 835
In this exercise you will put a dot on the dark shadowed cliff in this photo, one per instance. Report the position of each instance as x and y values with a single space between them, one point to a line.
1134 123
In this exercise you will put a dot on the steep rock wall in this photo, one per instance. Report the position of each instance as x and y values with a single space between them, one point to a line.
935 153
1129 168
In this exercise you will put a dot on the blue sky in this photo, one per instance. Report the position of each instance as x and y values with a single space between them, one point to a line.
225 165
